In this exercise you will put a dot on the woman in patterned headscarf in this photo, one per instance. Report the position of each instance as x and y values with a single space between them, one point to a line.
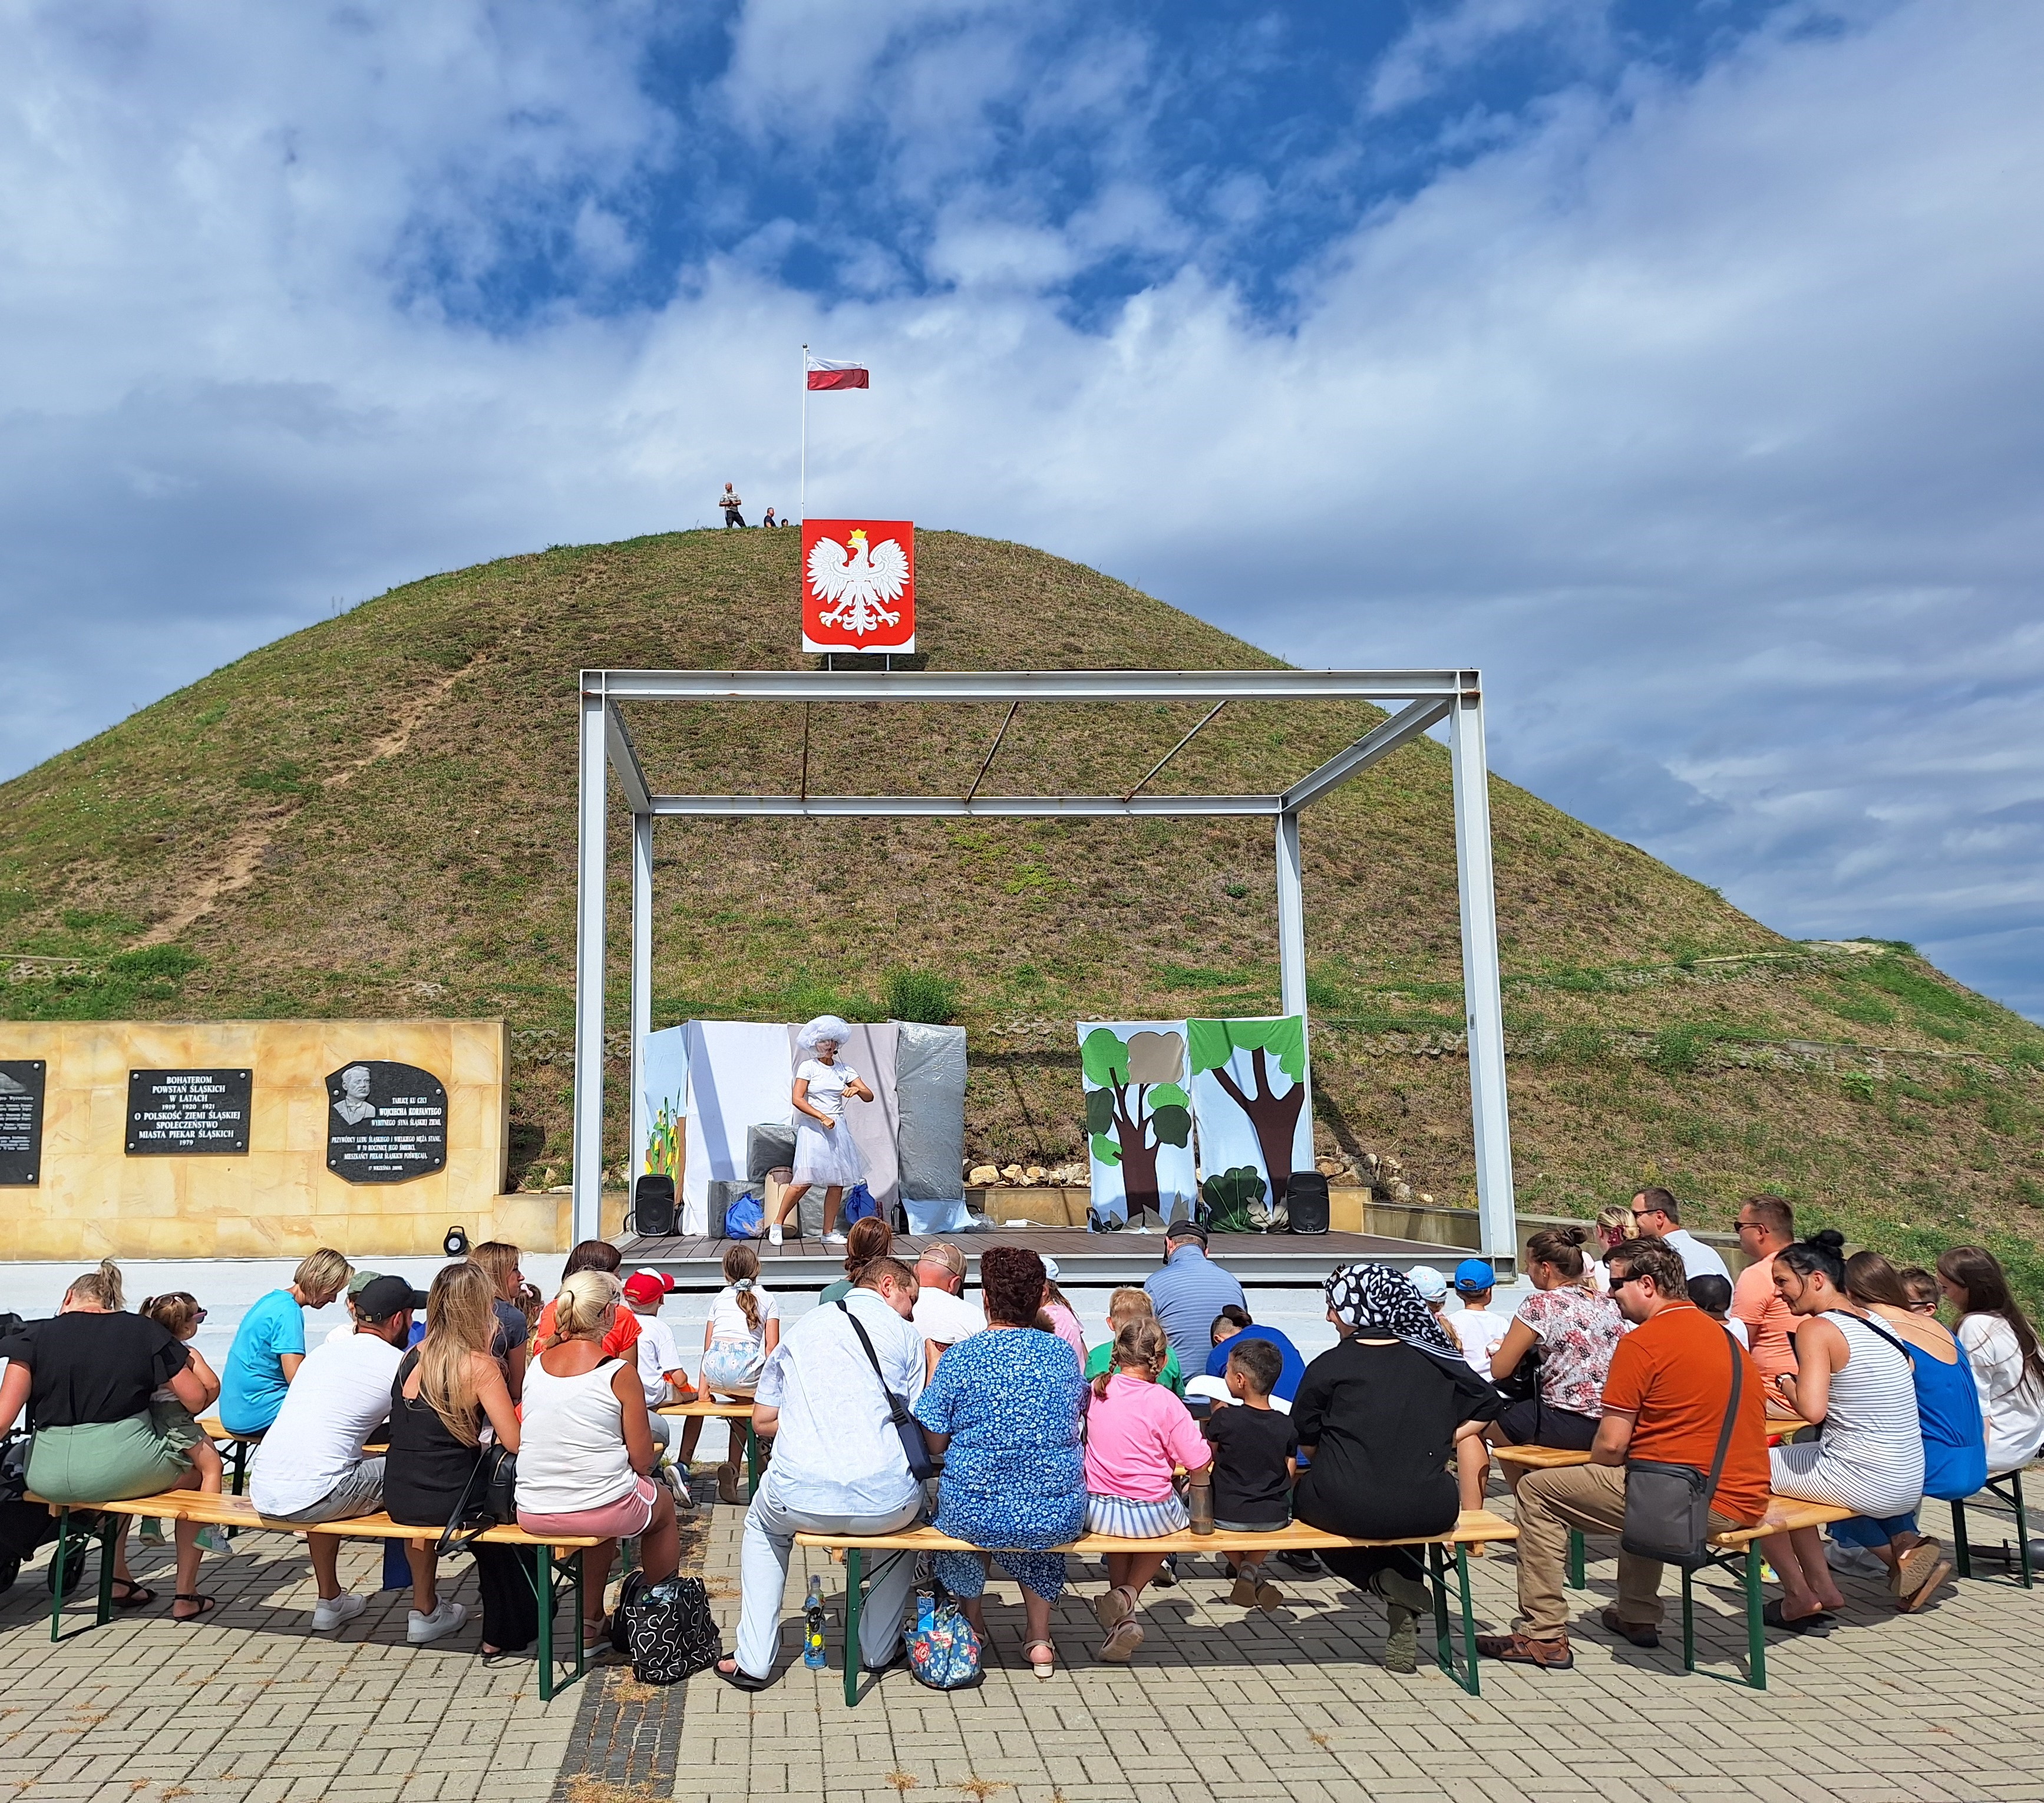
1377 1414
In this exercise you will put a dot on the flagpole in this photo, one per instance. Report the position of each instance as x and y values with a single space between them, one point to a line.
806 433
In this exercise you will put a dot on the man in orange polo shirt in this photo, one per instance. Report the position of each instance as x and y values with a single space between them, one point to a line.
1665 1400
1766 1223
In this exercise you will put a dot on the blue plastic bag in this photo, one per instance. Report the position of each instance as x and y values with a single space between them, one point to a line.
744 1219
859 1204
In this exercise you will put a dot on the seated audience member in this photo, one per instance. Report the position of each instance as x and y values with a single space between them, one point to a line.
1948 1416
2008 1370
839 1464
1925 1296
1432 1289
86 1378
1713 1296
586 1448
866 1239
1853 1380
1122 1307
310 1467
1377 1416
1004 1407
1612 1227
1572 1332
596 1256
1664 1401
270 1344
1477 1331
1255 1459
739 1339
179 1310
662 1374
1766 1225
942 1316
1656 1215
507 1345
1063 1317
1138 1434
448 1390
1231 1326
1189 1292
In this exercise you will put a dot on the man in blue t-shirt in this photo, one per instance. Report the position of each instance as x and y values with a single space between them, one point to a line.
1189 1292
1294 1367
269 1343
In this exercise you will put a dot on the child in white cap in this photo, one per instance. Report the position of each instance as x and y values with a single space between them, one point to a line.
1433 1288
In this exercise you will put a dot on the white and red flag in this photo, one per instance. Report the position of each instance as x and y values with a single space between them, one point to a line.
822 372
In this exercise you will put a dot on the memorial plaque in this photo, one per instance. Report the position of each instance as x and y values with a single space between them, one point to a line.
180 1113
22 1120
385 1122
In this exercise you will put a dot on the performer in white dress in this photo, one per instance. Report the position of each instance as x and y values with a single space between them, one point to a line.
823 1151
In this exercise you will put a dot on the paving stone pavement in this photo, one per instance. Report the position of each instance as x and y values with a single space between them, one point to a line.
1941 1707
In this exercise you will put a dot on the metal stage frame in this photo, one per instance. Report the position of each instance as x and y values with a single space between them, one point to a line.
1429 696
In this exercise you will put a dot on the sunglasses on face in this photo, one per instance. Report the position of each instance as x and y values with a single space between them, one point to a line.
1618 1282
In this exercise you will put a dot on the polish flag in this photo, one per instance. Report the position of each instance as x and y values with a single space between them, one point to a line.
824 374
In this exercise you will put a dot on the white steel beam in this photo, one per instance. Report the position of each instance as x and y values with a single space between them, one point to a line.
642 987
1024 685
1291 918
624 759
587 1206
1401 728
1031 807
1483 1003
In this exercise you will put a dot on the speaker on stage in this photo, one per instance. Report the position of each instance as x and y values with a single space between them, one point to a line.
1306 1202
653 1206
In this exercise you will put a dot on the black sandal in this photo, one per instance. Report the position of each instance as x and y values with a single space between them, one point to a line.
137 1597
1772 1617
738 1678
206 1606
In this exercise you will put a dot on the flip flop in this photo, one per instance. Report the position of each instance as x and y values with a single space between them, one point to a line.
137 1597
1123 1639
738 1678
1773 1617
206 1606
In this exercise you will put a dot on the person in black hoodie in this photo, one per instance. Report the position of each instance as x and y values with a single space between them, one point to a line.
1376 1416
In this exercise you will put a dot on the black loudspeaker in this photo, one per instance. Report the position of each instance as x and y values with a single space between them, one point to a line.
1306 1202
653 1207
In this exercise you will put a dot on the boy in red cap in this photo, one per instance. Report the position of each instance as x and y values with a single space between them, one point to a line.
659 1357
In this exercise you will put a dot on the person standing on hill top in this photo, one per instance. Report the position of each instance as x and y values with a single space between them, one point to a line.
728 501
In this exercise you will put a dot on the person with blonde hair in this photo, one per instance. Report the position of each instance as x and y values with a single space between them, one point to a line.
85 1377
1125 1305
449 1404
507 1343
270 1344
586 1452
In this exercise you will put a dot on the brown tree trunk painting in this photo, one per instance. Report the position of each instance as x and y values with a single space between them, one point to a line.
1275 1119
1139 1150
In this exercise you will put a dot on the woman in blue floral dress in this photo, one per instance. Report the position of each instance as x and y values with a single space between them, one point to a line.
1006 1407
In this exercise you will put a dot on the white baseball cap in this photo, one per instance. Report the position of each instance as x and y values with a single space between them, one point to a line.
1433 1287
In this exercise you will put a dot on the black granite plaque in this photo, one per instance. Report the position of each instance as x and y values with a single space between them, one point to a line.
184 1111
22 1120
385 1122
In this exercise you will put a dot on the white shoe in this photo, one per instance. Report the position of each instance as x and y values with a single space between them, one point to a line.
773 1234
833 1239
330 1613
447 1615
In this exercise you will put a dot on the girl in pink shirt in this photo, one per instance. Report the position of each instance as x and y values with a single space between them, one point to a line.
1138 1435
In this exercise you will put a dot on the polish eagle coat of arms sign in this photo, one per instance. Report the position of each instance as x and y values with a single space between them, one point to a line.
858 584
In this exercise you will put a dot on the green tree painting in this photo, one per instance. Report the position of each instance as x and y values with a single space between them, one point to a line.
1137 1104
1276 1053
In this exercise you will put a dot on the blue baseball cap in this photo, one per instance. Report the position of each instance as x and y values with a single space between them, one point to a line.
1473 1275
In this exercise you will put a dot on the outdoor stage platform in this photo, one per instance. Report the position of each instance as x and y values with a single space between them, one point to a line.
1084 1260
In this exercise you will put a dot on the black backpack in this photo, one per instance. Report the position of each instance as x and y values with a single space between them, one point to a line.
667 1627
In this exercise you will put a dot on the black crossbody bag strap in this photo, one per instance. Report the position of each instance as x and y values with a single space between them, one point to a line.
913 1448
1731 1416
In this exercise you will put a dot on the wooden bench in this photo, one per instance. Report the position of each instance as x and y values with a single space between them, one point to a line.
1477 1527
704 1409
2007 1489
557 1563
1736 1551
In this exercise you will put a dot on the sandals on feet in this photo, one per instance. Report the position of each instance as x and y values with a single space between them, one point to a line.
206 1606
1928 1589
136 1597
1122 1640
1043 1657
1112 1608
1773 1617
737 1677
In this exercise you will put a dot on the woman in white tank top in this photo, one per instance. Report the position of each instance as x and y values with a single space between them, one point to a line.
1854 1380
585 1447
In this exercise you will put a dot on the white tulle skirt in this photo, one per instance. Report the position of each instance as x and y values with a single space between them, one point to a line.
828 1159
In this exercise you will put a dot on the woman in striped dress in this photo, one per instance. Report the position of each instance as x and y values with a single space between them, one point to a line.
1855 1381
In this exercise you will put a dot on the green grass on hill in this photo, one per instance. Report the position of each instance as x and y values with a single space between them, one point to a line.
374 815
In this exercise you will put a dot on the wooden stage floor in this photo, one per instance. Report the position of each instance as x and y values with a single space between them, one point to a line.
1090 1260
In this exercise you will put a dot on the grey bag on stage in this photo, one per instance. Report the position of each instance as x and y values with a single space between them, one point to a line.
929 1088
768 1147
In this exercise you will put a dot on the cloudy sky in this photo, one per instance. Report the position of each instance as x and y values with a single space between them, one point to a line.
1680 364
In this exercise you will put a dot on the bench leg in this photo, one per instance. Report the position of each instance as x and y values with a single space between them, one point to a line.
1472 1681
58 1561
1688 1621
67 1537
1962 1552
751 1459
855 1586
1575 1558
568 1579
2021 1527
1437 1569
240 1477
1756 1630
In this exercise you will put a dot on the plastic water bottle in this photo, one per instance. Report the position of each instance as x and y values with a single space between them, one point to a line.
812 1626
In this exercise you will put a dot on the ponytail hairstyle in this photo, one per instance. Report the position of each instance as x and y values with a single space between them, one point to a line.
1140 1345
741 1271
869 1239
580 1304
1978 1273
1824 1252
177 1310
101 1288
1561 1247
460 1321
